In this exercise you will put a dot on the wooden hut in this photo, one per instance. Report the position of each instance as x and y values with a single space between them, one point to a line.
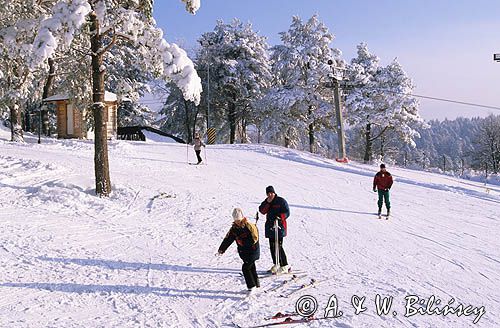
71 120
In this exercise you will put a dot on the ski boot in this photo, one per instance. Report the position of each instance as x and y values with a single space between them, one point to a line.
284 269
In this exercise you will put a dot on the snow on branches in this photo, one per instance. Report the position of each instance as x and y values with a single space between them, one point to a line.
192 6
380 100
65 20
301 67
119 23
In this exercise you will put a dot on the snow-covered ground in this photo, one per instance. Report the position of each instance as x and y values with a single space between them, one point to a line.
145 257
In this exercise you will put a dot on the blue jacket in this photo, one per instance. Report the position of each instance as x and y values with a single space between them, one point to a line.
277 208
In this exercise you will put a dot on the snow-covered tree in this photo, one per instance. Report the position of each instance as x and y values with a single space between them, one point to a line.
239 74
109 24
487 144
179 116
131 113
380 100
401 108
125 78
452 141
18 23
299 101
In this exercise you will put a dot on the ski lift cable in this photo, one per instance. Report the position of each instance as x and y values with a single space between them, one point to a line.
152 102
440 99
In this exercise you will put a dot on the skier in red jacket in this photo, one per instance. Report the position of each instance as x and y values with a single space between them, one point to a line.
383 183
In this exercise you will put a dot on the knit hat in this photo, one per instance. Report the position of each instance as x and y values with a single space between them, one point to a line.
382 166
270 189
237 214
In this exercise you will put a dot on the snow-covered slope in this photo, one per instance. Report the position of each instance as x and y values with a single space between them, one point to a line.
145 257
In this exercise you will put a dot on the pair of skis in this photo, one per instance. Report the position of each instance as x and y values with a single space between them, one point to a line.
285 282
289 320
266 274
312 283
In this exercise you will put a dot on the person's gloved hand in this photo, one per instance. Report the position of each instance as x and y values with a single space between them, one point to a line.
374 189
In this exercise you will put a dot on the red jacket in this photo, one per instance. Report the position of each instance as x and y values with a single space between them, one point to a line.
382 180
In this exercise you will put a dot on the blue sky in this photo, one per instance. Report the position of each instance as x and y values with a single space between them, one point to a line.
446 47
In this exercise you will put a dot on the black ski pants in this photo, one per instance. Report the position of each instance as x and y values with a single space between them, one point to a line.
198 155
272 244
250 274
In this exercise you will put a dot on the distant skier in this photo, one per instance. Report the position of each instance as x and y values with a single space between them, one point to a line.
247 239
197 147
383 183
276 207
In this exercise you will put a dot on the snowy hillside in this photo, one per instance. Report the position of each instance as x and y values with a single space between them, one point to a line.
145 257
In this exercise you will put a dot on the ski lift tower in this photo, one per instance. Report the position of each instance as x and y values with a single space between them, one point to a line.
338 113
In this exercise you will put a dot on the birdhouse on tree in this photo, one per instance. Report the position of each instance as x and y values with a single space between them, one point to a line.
71 120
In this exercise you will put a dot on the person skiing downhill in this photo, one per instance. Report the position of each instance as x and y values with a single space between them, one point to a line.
382 182
246 236
197 146
276 207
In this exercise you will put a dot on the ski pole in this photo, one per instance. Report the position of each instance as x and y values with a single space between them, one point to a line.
205 152
277 244
187 152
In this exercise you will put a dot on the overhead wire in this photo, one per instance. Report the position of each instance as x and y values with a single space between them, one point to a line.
454 101
441 99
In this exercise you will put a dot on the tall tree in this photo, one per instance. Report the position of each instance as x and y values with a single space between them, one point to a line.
18 22
300 66
380 100
179 116
115 23
239 73
487 144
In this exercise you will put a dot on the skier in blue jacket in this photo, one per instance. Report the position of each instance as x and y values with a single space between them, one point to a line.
276 207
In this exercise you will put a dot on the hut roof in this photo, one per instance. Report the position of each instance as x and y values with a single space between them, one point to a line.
108 96
59 96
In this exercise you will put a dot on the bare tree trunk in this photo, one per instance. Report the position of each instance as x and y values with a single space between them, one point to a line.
493 156
28 126
195 119
311 130
382 146
311 138
16 130
46 90
287 139
187 123
101 163
368 146
244 137
232 122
